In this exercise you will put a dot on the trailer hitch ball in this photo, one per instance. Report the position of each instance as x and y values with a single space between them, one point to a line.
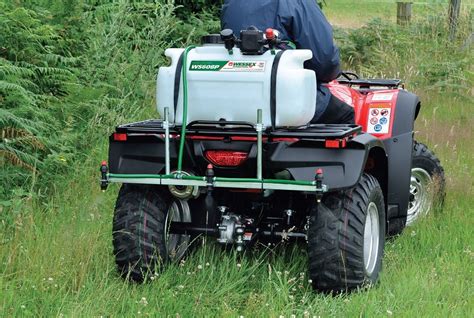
184 192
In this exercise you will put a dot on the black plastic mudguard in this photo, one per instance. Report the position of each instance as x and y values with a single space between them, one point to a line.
139 154
342 167
399 150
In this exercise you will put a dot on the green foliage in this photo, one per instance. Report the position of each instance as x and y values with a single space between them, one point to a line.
34 75
72 72
421 53
188 7
198 5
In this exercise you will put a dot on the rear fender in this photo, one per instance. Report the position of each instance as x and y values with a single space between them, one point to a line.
399 146
342 167
140 154
390 116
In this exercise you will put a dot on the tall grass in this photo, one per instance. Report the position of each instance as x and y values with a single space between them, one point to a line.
60 263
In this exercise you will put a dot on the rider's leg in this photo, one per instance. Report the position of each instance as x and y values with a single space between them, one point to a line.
337 112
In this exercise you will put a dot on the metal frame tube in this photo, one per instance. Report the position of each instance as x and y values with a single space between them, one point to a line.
166 126
259 129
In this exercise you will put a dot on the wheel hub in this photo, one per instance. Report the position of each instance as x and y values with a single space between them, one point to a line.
421 196
177 244
371 238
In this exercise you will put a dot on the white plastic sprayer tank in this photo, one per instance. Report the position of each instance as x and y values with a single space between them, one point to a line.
233 87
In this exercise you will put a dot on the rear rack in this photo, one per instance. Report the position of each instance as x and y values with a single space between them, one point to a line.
320 131
367 83
151 125
225 128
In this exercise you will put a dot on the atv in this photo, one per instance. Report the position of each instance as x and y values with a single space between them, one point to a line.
235 157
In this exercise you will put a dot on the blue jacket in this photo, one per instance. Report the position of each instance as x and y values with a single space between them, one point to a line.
300 21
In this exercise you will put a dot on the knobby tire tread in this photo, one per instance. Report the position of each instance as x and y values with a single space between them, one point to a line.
138 231
336 236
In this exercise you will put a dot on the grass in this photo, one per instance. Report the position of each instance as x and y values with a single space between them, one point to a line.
58 261
61 263
361 12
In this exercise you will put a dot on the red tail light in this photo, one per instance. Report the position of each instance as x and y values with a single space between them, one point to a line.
226 158
120 137
336 143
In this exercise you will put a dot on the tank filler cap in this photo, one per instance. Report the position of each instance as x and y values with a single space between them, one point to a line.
227 36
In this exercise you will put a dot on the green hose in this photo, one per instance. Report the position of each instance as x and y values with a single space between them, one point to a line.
185 107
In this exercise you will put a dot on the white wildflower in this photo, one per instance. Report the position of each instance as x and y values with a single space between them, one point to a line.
143 301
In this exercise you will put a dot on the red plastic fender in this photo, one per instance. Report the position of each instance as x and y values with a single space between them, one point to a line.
374 110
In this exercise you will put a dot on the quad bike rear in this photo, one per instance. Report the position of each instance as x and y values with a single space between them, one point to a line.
235 158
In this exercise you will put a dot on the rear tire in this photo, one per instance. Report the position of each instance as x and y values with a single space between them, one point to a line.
141 243
427 184
346 238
